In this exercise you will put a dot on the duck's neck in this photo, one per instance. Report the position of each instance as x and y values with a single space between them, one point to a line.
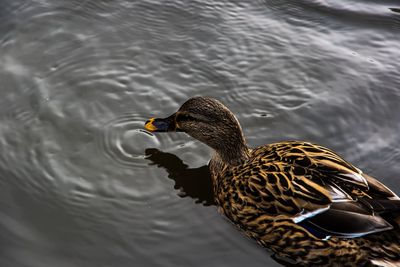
230 156
234 156
230 148
233 151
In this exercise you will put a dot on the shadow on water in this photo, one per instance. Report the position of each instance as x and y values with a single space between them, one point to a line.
195 183
192 182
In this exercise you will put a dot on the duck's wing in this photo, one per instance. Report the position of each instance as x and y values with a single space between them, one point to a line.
319 190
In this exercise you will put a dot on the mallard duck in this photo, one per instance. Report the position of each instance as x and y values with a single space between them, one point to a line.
300 200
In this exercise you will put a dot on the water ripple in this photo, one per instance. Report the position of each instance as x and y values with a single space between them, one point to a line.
124 140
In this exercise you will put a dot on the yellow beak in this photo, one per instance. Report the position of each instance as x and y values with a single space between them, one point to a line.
149 126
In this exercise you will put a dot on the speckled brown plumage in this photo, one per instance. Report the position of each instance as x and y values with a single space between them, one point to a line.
282 181
300 200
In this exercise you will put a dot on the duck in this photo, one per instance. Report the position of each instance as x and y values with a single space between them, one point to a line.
300 200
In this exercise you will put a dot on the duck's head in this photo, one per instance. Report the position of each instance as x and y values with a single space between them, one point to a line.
209 121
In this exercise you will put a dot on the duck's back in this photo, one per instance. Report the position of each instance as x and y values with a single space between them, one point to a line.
309 192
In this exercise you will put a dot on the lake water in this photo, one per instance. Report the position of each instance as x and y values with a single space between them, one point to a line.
80 78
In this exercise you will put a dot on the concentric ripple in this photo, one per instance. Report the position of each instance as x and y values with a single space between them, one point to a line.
124 141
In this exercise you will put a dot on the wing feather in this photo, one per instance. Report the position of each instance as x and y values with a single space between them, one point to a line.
318 189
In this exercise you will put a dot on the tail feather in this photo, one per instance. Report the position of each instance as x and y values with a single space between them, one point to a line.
382 248
385 263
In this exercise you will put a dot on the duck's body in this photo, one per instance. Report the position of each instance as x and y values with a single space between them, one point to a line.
306 203
300 200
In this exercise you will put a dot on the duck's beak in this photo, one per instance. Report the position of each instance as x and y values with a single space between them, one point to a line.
161 125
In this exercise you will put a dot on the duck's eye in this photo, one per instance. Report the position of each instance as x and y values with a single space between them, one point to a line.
184 117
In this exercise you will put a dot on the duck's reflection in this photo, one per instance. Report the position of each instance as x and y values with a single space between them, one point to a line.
192 182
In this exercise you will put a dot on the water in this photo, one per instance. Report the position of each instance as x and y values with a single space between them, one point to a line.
79 78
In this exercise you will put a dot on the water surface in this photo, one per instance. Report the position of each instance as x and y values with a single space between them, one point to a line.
79 78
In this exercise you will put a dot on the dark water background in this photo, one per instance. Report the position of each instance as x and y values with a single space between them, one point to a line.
79 78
